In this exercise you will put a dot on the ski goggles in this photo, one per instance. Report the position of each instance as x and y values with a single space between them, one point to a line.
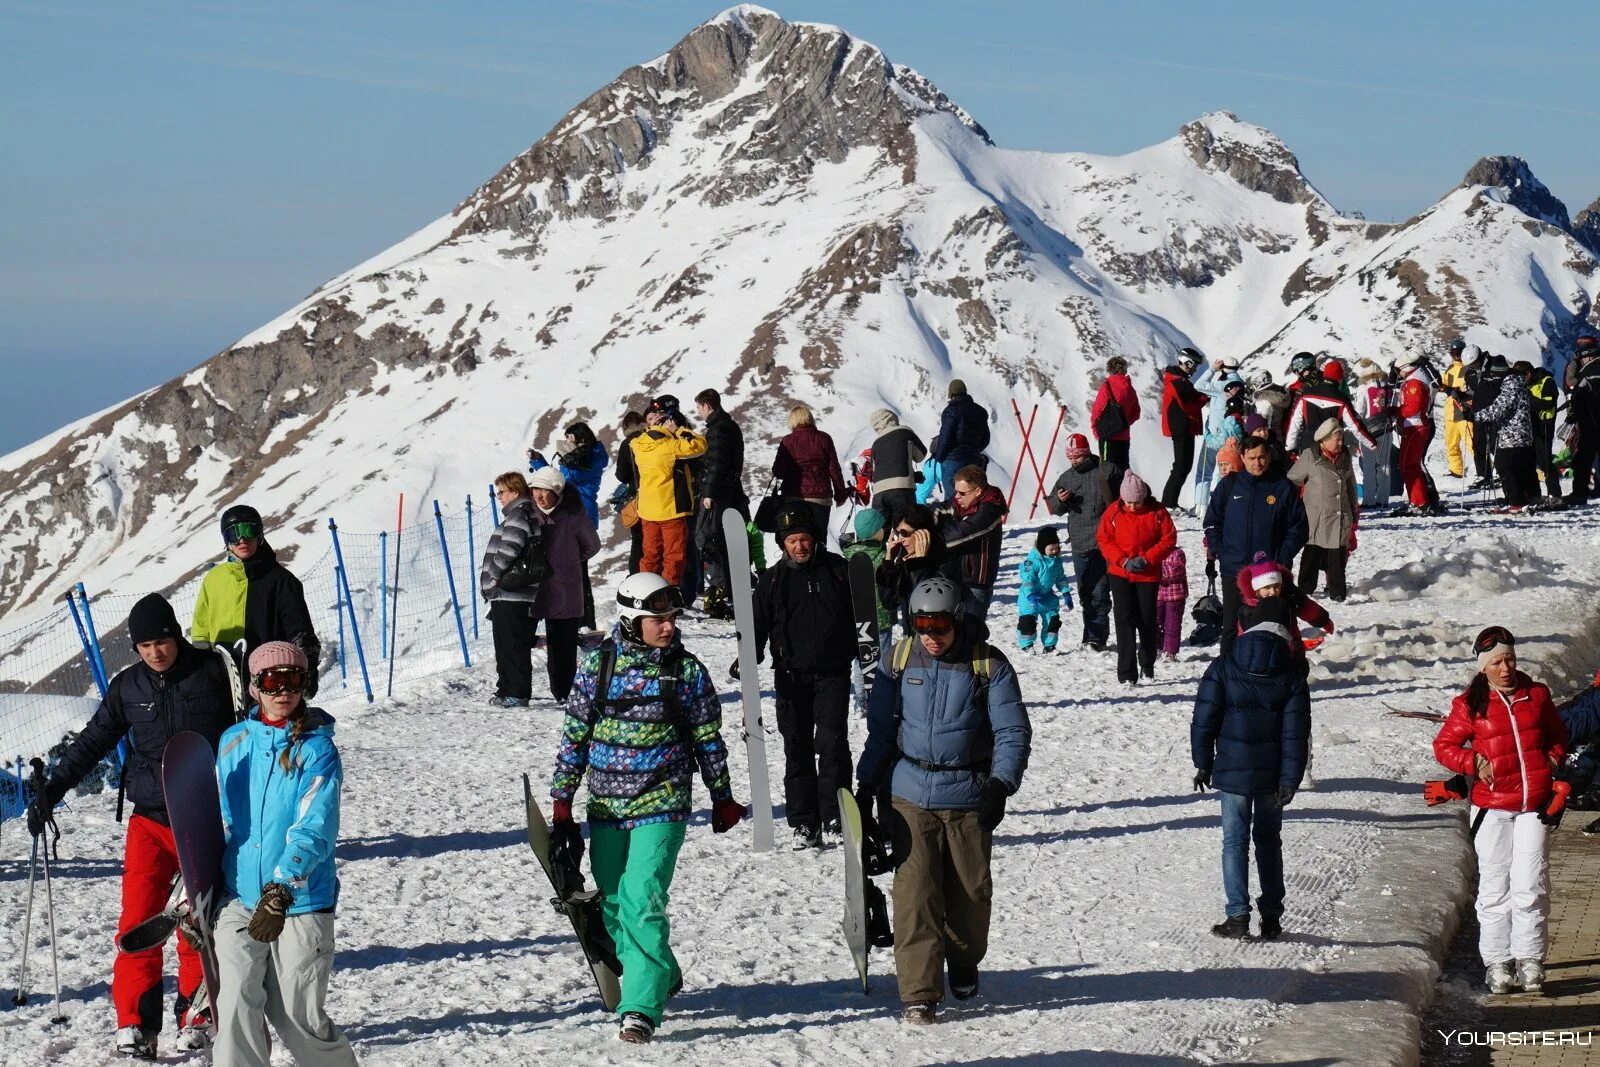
281 680
665 601
1494 635
936 625
235 532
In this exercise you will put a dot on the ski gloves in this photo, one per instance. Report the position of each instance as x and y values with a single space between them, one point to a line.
1285 795
1438 792
992 804
1551 815
566 840
725 815
1202 781
1135 564
266 922
877 856
41 813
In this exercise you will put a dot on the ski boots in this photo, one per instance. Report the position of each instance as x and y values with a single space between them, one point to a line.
1234 927
1530 976
806 837
1498 978
194 1026
136 1044
636 1029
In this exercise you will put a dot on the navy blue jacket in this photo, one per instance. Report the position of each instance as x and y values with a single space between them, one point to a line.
1582 717
1252 718
1249 515
963 431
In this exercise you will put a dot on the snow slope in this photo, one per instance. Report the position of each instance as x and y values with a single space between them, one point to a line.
1106 868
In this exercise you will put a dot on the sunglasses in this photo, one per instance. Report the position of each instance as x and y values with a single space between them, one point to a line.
241 531
901 531
933 625
281 680
1494 635
666 601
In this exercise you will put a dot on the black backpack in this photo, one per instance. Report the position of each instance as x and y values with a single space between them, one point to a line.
530 568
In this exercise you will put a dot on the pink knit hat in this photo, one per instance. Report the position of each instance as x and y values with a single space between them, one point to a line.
275 654
1134 490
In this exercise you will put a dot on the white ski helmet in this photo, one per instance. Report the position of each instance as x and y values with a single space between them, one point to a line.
1260 379
646 594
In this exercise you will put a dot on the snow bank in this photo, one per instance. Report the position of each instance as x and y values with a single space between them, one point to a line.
1475 565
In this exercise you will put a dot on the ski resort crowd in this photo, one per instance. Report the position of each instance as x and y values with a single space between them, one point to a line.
900 618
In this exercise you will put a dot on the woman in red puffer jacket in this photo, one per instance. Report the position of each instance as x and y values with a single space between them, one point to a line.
1503 733
1135 535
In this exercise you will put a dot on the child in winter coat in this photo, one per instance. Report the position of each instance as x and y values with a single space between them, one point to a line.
870 541
1504 733
280 776
1265 579
1039 579
1171 596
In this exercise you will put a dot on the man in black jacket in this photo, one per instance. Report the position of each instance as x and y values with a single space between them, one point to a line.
721 487
897 455
963 435
628 485
1583 404
1082 493
174 687
802 608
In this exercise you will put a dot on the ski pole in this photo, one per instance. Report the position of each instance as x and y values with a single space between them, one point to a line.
49 897
21 996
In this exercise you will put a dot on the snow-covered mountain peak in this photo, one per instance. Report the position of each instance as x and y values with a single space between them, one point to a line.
1522 190
1251 155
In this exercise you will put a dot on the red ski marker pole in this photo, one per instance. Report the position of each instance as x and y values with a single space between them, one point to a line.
1049 455
1016 473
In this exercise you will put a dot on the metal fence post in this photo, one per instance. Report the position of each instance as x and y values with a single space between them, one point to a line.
383 594
472 554
94 637
338 611
343 577
95 670
450 576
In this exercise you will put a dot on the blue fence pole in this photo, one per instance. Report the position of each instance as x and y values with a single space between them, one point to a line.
94 637
450 575
383 594
343 577
472 554
95 670
338 610
494 506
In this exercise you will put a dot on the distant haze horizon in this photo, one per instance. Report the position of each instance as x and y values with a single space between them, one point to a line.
183 174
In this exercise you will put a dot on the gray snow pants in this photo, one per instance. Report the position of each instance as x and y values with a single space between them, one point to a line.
283 983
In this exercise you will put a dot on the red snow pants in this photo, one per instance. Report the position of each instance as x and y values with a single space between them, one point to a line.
1414 442
149 864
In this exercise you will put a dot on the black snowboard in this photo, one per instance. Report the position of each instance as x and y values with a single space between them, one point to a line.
580 905
189 782
864 602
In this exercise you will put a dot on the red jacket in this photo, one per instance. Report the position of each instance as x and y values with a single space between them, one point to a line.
807 466
1178 394
1416 402
1519 735
1124 534
1118 389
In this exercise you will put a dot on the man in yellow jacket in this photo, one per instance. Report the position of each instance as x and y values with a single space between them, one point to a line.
666 487
1457 426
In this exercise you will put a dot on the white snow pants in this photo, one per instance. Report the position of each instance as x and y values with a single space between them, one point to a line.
1513 885
283 983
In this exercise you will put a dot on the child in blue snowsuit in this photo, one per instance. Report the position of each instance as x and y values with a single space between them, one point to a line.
1039 579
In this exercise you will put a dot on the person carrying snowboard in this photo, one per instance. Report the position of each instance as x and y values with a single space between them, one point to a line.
948 734
251 596
642 715
802 609
1039 579
174 687
280 776
872 531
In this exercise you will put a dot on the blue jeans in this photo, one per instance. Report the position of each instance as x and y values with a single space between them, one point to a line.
947 477
1094 596
1245 819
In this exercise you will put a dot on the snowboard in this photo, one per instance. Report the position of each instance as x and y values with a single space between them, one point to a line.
864 602
755 744
189 783
855 884
580 905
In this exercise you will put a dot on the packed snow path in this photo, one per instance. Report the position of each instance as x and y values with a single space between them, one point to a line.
1106 868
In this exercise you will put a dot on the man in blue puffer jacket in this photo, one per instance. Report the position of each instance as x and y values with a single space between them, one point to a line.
948 732
1250 738
963 435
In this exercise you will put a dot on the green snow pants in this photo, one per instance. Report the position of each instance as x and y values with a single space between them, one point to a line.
634 868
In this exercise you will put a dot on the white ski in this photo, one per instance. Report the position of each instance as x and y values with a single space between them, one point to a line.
755 745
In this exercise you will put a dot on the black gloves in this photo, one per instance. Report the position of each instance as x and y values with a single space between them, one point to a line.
566 843
992 805
266 922
41 813
1202 781
733 670
1135 564
1285 795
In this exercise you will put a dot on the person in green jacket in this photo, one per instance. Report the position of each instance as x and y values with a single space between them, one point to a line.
637 727
871 531
250 596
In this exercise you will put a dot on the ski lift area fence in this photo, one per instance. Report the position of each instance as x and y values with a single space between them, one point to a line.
389 604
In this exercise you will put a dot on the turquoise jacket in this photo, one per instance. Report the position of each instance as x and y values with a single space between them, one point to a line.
1039 579
280 826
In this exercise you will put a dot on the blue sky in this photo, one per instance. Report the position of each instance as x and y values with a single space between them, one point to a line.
176 173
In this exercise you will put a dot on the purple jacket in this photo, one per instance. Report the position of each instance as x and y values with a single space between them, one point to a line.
569 540
807 466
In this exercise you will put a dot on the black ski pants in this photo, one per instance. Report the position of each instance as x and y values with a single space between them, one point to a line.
1583 458
514 629
1094 596
813 717
1133 605
892 503
1519 477
1313 561
1482 451
561 655
635 547
1115 453
1544 444
709 540
1230 611
1182 465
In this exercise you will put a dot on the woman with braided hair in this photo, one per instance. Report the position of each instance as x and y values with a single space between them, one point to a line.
280 777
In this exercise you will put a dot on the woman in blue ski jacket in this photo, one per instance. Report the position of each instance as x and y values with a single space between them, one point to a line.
583 462
279 775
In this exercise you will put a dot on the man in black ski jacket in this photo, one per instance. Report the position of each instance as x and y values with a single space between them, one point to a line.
628 485
963 435
1082 493
1583 402
174 687
897 455
721 484
802 609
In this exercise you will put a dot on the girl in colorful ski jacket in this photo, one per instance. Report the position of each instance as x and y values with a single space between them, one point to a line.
1171 597
1039 579
280 776
1503 732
